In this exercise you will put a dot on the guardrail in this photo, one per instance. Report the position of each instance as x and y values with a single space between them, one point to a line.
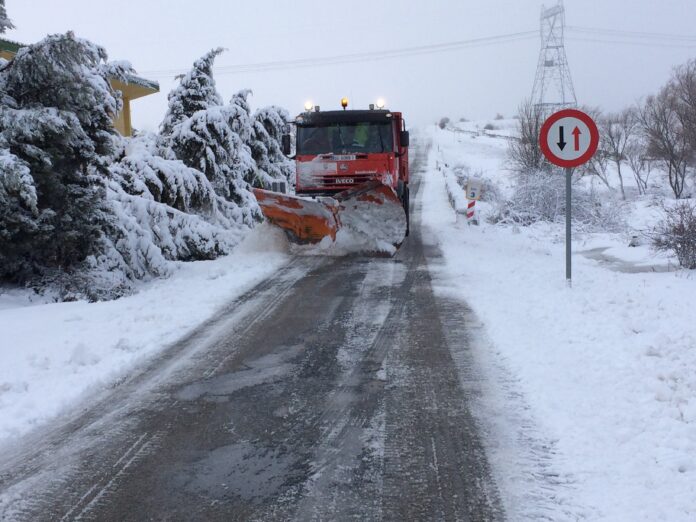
455 193
482 132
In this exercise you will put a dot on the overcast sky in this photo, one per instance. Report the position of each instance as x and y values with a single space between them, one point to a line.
476 82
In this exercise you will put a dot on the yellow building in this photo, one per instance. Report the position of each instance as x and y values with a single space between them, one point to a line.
136 87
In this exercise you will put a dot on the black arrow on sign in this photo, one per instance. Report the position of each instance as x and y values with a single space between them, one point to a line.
561 142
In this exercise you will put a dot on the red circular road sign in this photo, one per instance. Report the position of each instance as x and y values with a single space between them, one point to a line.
569 138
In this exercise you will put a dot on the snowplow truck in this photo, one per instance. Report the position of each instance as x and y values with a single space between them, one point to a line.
351 169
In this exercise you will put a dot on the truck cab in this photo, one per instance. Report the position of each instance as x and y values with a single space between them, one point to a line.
351 169
338 150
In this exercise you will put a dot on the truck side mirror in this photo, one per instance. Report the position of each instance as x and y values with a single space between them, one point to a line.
286 144
404 138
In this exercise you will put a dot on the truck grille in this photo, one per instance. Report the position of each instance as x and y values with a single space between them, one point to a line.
330 176
348 179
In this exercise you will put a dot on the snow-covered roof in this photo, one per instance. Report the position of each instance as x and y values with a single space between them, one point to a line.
11 46
143 82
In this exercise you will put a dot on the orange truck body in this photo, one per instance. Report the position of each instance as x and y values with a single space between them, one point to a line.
343 160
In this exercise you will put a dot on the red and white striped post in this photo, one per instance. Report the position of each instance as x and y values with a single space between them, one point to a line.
473 193
470 211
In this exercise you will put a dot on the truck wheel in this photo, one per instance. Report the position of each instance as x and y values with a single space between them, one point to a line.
400 186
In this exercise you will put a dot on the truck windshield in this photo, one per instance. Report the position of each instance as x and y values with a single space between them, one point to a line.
342 138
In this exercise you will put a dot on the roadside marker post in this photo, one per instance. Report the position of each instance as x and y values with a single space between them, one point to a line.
471 212
581 131
473 194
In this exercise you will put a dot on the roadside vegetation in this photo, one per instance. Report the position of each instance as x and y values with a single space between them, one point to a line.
87 213
646 150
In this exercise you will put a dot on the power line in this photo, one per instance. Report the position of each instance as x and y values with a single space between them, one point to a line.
627 42
580 34
357 57
633 34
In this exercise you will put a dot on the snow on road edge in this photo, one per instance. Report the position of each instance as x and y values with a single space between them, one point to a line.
605 371
54 355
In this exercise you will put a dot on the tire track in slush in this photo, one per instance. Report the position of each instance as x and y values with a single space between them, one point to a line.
331 396
52 472
137 451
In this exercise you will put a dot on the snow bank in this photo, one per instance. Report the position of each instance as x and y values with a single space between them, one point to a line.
52 355
603 372
455 194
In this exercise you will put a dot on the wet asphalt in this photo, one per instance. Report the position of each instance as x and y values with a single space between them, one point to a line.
326 393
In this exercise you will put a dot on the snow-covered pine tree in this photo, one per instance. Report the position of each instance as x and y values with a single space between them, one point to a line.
242 124
196 91
206 142
269 124
164 211
92 211
141 172
18 207
216 142
55 127
5 23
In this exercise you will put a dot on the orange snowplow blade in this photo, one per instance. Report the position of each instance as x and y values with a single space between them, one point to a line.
371 211
306 220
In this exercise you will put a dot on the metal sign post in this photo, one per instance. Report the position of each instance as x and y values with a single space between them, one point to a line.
582 132
568 173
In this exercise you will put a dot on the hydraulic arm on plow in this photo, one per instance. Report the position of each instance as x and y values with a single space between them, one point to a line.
351 169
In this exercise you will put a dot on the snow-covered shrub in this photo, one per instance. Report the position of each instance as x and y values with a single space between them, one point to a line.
18 209
676 233
142 237
213 138
208 142
540 196
443 122
489 189
242 124
196 92
85 212
55 132
163 211
5 23
141 172
269 125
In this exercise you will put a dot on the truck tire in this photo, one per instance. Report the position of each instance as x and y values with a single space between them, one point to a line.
400 186
407 208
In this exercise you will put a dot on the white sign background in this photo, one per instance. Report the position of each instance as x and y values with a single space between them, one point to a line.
569 124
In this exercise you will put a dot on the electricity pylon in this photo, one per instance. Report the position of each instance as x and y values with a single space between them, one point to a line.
553 87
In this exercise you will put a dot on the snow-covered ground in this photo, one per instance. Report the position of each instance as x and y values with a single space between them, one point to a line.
591 394
54 354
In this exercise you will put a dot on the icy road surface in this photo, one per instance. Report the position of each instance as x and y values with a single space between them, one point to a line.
328 392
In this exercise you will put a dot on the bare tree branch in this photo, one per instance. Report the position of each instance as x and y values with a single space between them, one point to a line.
525 153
